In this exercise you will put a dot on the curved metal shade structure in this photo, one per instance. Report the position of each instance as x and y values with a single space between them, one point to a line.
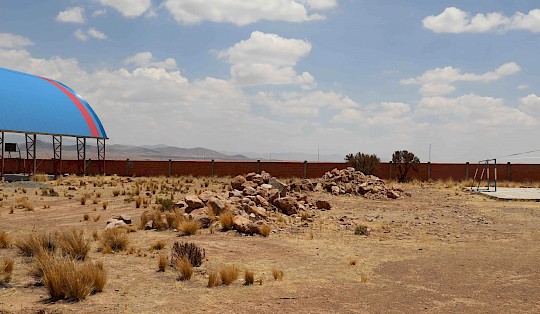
35 104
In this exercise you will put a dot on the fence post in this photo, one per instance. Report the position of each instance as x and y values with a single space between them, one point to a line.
429 170
390 176
127 167
170 168
258 166
508 172
467 171
305 169
212 168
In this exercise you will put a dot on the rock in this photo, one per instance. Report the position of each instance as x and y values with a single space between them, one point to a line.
237 182
278 185
115 224
217 205
206 196
201 215
250 191
259 200
194 201
179 205
272 195
335 190
392 194
244 225
266 186
322 204
235 193
287 205
124 218
250 176
148 225
257 211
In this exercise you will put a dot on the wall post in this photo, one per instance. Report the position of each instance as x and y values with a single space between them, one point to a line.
305 169
127 167
213 169
429 170
258 166
390 167
170 168
508 172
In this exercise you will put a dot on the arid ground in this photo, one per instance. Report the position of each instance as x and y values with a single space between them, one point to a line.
440 250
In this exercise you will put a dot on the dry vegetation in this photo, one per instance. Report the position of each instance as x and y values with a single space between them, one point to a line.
404 255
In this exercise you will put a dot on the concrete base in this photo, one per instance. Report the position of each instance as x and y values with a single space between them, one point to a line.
511 194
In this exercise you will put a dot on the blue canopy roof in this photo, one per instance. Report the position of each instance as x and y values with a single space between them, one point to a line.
35 104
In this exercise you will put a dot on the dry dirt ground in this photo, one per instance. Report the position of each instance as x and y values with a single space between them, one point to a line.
440 250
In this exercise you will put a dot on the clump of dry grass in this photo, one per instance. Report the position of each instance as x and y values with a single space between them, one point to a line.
189 227
158 245
96 218
115 239
185 269
190 250
352 261
138 202
68 279
24 203
249 277
6 269
83 200
86 217
277 274
361 230
174 219
213 278
228 274
5 239
226 219
116 192
304 216
73 244
104 205
35 243
265 230
162 263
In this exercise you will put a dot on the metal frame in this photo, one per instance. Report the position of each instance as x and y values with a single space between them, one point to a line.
485 170
57 159
2 144
81 155
31 153
101 155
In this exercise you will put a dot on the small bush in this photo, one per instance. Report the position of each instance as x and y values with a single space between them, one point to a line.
162 263
5 240
116 239
226 220
265 230
138 202
194 253
104 205
24 203
185 268
213 278
166 204
33 244
249 277
365 163
189 227
361 230
116 192
6 268
83 200
159 245
174 219
73 244
86 217
228 274
277 274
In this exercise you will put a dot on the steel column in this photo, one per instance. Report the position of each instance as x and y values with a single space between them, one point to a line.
2 144
57 159
101 155
31 153
81 155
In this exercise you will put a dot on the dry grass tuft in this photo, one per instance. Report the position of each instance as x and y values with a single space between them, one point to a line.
86 217
67 279
277 274
34 244
138 202
265 230
83 200
185 268
352 261
6 268
162 263
228 274
226 220
249 277
189 227
96 218
364 278
159 245
104 205
5 240
24 203
116 239
190 250
213 278
361 230
73 244
116 192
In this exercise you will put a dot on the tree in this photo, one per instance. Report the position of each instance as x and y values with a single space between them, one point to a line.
405 161
366 163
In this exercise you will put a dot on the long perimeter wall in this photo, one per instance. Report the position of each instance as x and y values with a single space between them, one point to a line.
434 171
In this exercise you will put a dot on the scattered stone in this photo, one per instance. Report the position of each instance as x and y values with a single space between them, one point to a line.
194 201
113 223
322 204
237 182
287 205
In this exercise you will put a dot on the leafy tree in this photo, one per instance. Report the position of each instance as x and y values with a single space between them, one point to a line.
366 163
405 161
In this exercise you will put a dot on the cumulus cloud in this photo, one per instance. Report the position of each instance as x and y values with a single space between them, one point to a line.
530 104
146 59
128 8
439 81
455 20
241 12
9 41
99 12
267 59
387 114
71 15
92 32
80 35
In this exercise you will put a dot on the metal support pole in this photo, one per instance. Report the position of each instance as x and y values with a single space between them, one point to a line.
305 169
212 168
101 155
429 170
467 170
2 144
127 167
35 162
57 159
508 172
390 167
495 174
258 166
30 153
170 168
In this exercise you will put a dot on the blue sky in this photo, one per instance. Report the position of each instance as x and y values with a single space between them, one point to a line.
294 75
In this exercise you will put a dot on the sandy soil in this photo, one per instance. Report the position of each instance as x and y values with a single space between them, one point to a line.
440 250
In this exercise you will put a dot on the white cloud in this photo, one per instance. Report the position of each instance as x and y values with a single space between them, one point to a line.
99 12
96 34
530 104
387 114
268 59
439 81
455 20
80 35
348 116
241 12
10 41
523 86
71 15
128 8
145 59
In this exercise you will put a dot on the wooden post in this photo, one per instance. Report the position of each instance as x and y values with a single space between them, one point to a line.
429 170
127 167
258 166
305 169
170 166
213 169
508 172
390 167
467 170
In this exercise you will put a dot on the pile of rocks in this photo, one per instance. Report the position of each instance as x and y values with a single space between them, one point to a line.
251 199
349 181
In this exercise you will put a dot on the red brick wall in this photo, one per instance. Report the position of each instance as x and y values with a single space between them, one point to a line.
438 171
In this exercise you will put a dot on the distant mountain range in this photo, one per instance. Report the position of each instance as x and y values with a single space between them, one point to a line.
166 152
